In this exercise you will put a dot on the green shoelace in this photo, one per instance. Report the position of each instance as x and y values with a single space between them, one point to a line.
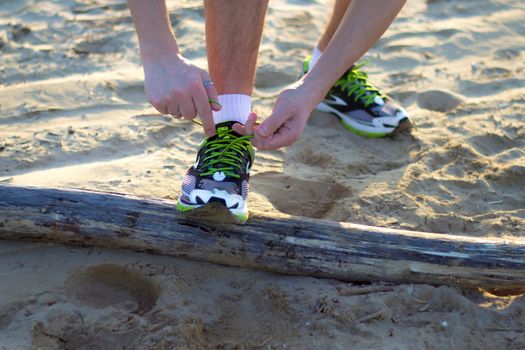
225 152
356 83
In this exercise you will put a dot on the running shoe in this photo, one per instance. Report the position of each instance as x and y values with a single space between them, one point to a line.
361 107
220 174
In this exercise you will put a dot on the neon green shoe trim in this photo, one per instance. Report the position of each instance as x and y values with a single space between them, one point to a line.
241 218
364 133
186 207
306 64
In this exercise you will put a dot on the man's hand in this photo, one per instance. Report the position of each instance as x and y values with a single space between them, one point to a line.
175 86
286 123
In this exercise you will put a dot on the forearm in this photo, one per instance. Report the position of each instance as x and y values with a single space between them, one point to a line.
361 26
153 28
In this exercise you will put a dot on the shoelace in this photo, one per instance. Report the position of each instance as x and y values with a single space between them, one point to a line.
225 153
356 83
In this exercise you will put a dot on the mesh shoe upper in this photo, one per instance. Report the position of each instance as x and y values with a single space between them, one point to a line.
221 170
356 101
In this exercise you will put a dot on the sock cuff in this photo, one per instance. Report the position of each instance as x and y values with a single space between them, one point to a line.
316 54
235 107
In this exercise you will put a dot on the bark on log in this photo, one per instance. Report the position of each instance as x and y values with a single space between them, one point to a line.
284 244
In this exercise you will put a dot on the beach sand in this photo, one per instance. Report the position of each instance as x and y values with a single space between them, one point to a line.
73 113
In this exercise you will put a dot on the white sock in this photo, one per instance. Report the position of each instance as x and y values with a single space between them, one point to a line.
235 108
316 54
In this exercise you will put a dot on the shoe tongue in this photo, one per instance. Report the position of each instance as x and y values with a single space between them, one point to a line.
226 126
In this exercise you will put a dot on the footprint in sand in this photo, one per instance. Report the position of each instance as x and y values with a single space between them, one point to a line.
112 285
294 196
268 77
439 100
490 144
130 91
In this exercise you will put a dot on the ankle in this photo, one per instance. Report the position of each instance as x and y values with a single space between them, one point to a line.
235 108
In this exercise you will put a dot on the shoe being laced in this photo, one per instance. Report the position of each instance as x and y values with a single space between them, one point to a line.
220 174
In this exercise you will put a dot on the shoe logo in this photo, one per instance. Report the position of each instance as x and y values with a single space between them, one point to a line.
379 101
196 164
335 101
219 176
248 167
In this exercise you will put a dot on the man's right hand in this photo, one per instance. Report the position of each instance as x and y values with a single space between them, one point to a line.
175 86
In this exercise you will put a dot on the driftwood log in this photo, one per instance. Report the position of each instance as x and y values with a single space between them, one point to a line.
284 244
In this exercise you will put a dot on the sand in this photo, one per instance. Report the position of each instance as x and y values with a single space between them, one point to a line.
73 113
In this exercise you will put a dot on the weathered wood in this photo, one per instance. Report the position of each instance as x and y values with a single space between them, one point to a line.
284 244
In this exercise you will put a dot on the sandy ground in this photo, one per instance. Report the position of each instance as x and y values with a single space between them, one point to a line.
73 113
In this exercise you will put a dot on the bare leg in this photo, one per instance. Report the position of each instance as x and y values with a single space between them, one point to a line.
233 35
338 12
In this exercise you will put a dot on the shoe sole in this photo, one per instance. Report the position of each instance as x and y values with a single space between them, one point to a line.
358 129
240 215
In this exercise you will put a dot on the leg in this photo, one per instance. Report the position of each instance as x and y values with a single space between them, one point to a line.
338 12
233 35
360 106
221 172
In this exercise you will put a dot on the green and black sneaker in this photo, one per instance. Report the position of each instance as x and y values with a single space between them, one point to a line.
221 173
361 107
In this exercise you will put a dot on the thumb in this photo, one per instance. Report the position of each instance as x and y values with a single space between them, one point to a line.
272 123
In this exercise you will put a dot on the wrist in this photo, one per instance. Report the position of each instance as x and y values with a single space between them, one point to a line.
157 48
312 90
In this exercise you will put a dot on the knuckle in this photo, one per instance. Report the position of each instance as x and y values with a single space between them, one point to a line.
176 95
194 87
293 109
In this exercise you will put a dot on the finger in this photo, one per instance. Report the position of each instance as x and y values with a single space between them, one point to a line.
187 108
250 122
273 142
240 129
213 96
248 127
173 110
285 136
161 107
282 138
257 142
204 111
272 123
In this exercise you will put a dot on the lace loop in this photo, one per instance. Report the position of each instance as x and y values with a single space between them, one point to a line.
355 83
224 153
